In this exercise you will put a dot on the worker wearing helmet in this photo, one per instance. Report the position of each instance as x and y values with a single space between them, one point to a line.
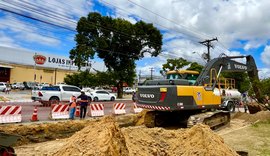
72 106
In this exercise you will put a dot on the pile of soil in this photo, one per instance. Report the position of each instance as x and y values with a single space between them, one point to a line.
99 138
107 138
198 140
259 116
41 132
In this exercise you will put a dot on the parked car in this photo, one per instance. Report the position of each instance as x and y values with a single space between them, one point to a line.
3 86
30 85
18 85
102 95
39 86
57 93
128 90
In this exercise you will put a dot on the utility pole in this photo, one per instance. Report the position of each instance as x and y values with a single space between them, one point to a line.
207 43
152 69
139 76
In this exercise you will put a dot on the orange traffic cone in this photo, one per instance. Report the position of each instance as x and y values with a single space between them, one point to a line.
77 113
34 116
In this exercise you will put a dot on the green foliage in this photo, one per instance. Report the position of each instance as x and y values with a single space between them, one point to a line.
117 41
265 87
196 67
89 79
176 64
242 82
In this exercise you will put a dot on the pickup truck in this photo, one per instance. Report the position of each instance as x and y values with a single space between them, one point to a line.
56 93
128 90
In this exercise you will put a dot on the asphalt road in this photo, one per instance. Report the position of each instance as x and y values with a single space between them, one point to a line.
23 98
44 112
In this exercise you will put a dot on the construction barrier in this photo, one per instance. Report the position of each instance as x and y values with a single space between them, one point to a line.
96 110
10 114
119 108
59 111
136 109
77 112
35 115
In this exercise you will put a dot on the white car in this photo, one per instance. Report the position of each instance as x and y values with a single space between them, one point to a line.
128 90
17 85
103 95
3 86
57 93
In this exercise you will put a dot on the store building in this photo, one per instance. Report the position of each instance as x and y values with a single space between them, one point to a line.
19 65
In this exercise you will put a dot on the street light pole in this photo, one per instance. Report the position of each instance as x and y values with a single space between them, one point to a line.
35 68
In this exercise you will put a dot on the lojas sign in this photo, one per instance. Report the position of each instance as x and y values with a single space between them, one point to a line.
40 60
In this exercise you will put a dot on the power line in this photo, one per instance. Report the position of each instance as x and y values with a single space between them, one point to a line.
192 31
107 28
150 21
30 17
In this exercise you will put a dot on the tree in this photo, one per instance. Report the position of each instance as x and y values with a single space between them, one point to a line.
176 64
242 82
85 78
118 42
195 66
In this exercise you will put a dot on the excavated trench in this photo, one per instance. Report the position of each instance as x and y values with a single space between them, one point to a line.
120 135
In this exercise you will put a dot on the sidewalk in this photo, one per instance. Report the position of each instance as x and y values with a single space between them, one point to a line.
125 97
16 96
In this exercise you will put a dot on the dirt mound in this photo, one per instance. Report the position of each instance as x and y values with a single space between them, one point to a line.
259 116
99 138
40 132
106 138
199 140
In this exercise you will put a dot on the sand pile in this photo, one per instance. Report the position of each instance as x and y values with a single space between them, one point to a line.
99 138
40 132
259 116
199 140
106 138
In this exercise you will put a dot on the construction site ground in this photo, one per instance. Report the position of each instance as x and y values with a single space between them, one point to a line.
126 135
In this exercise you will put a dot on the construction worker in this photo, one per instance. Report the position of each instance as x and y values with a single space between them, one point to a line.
83 104
72 106
245 101
134 96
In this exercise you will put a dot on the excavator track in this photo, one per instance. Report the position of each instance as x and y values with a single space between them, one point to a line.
215 119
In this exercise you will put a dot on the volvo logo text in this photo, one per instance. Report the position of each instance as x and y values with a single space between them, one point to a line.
147 96
242 67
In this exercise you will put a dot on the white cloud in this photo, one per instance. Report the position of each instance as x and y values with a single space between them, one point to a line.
265 55
227 20
26 32
264 73
6 41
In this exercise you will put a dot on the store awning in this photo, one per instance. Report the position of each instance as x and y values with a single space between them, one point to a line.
5 66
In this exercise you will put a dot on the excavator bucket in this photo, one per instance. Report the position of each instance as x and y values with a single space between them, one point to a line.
255 107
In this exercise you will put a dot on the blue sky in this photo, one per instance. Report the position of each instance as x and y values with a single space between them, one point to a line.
242 27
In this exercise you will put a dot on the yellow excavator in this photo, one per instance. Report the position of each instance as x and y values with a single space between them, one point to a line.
181 100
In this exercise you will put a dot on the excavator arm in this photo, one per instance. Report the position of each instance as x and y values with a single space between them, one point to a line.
228 64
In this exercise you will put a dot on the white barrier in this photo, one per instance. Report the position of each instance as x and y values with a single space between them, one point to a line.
10 114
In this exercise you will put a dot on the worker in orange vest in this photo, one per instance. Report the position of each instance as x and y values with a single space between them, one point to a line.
72 106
